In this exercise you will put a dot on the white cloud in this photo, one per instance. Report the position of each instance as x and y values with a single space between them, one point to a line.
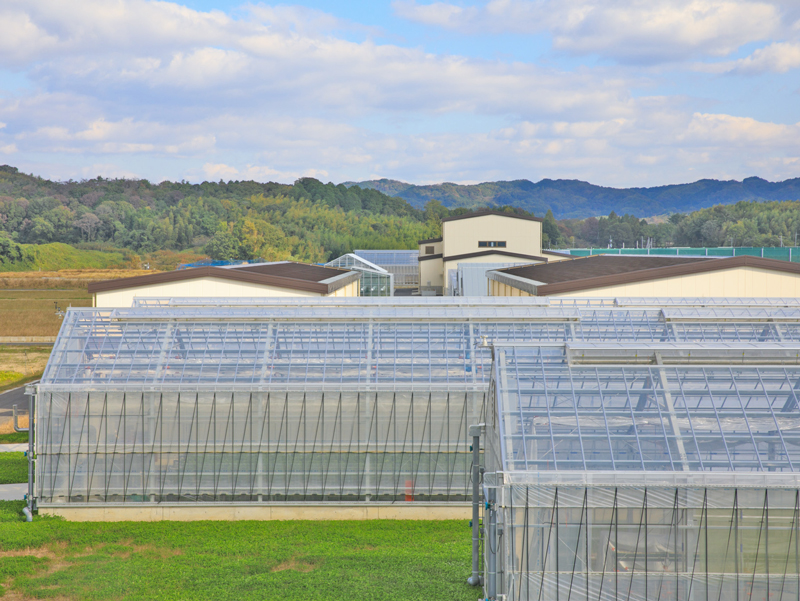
630 31
259 173
277 94
779 57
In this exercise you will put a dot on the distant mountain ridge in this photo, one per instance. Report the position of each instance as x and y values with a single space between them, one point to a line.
578 199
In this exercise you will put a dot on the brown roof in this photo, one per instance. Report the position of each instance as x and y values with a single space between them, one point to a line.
295 276
605 270
429 241
494 251
489 212
295 271
558 254
595 266
429 257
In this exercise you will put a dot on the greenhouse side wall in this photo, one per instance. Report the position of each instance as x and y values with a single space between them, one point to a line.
203 446
611 543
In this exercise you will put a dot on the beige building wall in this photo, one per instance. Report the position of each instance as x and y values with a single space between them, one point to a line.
426 246
741 282
493 258
555 258
431 273
449 266
233 512
351 289
208 287
461 236
500 289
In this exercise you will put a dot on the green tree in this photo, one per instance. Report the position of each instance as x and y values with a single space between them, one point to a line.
223 247
550 229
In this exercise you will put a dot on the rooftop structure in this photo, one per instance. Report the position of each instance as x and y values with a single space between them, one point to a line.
402 264
469 279
479 237
266 402
282 278
375 280
643 471
656 276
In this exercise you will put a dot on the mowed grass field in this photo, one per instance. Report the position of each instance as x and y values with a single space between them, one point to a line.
33 313
13 468
28 299
58 560
288 561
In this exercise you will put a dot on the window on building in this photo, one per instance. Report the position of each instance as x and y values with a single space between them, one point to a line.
492 244
428 250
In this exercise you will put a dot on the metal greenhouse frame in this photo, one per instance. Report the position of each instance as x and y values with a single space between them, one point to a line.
643 471
375 280
318 400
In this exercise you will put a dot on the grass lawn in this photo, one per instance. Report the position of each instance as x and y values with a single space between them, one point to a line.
13 468
13 437
28 314
386 560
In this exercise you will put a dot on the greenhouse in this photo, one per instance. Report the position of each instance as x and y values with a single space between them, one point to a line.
375 280
643 471
314 400
402 264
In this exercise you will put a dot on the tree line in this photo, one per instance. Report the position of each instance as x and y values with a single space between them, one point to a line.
315 222
745 223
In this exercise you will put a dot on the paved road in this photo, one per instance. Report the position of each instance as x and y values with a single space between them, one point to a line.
15 447
13 397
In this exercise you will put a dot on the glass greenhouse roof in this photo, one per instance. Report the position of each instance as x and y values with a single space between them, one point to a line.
351 261
707 302
373 344
556 414
343 301
389 257
643 303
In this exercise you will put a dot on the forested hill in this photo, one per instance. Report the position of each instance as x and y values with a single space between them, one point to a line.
314 222
577 199
307 221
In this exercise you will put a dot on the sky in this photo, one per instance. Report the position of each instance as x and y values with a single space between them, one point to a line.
619 93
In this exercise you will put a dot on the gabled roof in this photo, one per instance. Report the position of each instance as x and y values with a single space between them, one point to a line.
610 270
283 274
494 251
491 212
353 261
565 255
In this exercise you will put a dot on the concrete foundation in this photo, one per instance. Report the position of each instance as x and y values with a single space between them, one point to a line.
327 511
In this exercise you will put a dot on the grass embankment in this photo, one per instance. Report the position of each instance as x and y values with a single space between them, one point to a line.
63 280
402 560
19 364
54 256
33 313
13 437
13 468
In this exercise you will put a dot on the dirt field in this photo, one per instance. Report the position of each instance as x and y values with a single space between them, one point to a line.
25 360
7 422
63 279
33 313
28 298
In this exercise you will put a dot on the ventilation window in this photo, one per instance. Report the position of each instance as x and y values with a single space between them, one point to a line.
428 250
495 244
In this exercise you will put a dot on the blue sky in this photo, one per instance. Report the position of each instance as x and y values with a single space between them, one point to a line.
616 92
